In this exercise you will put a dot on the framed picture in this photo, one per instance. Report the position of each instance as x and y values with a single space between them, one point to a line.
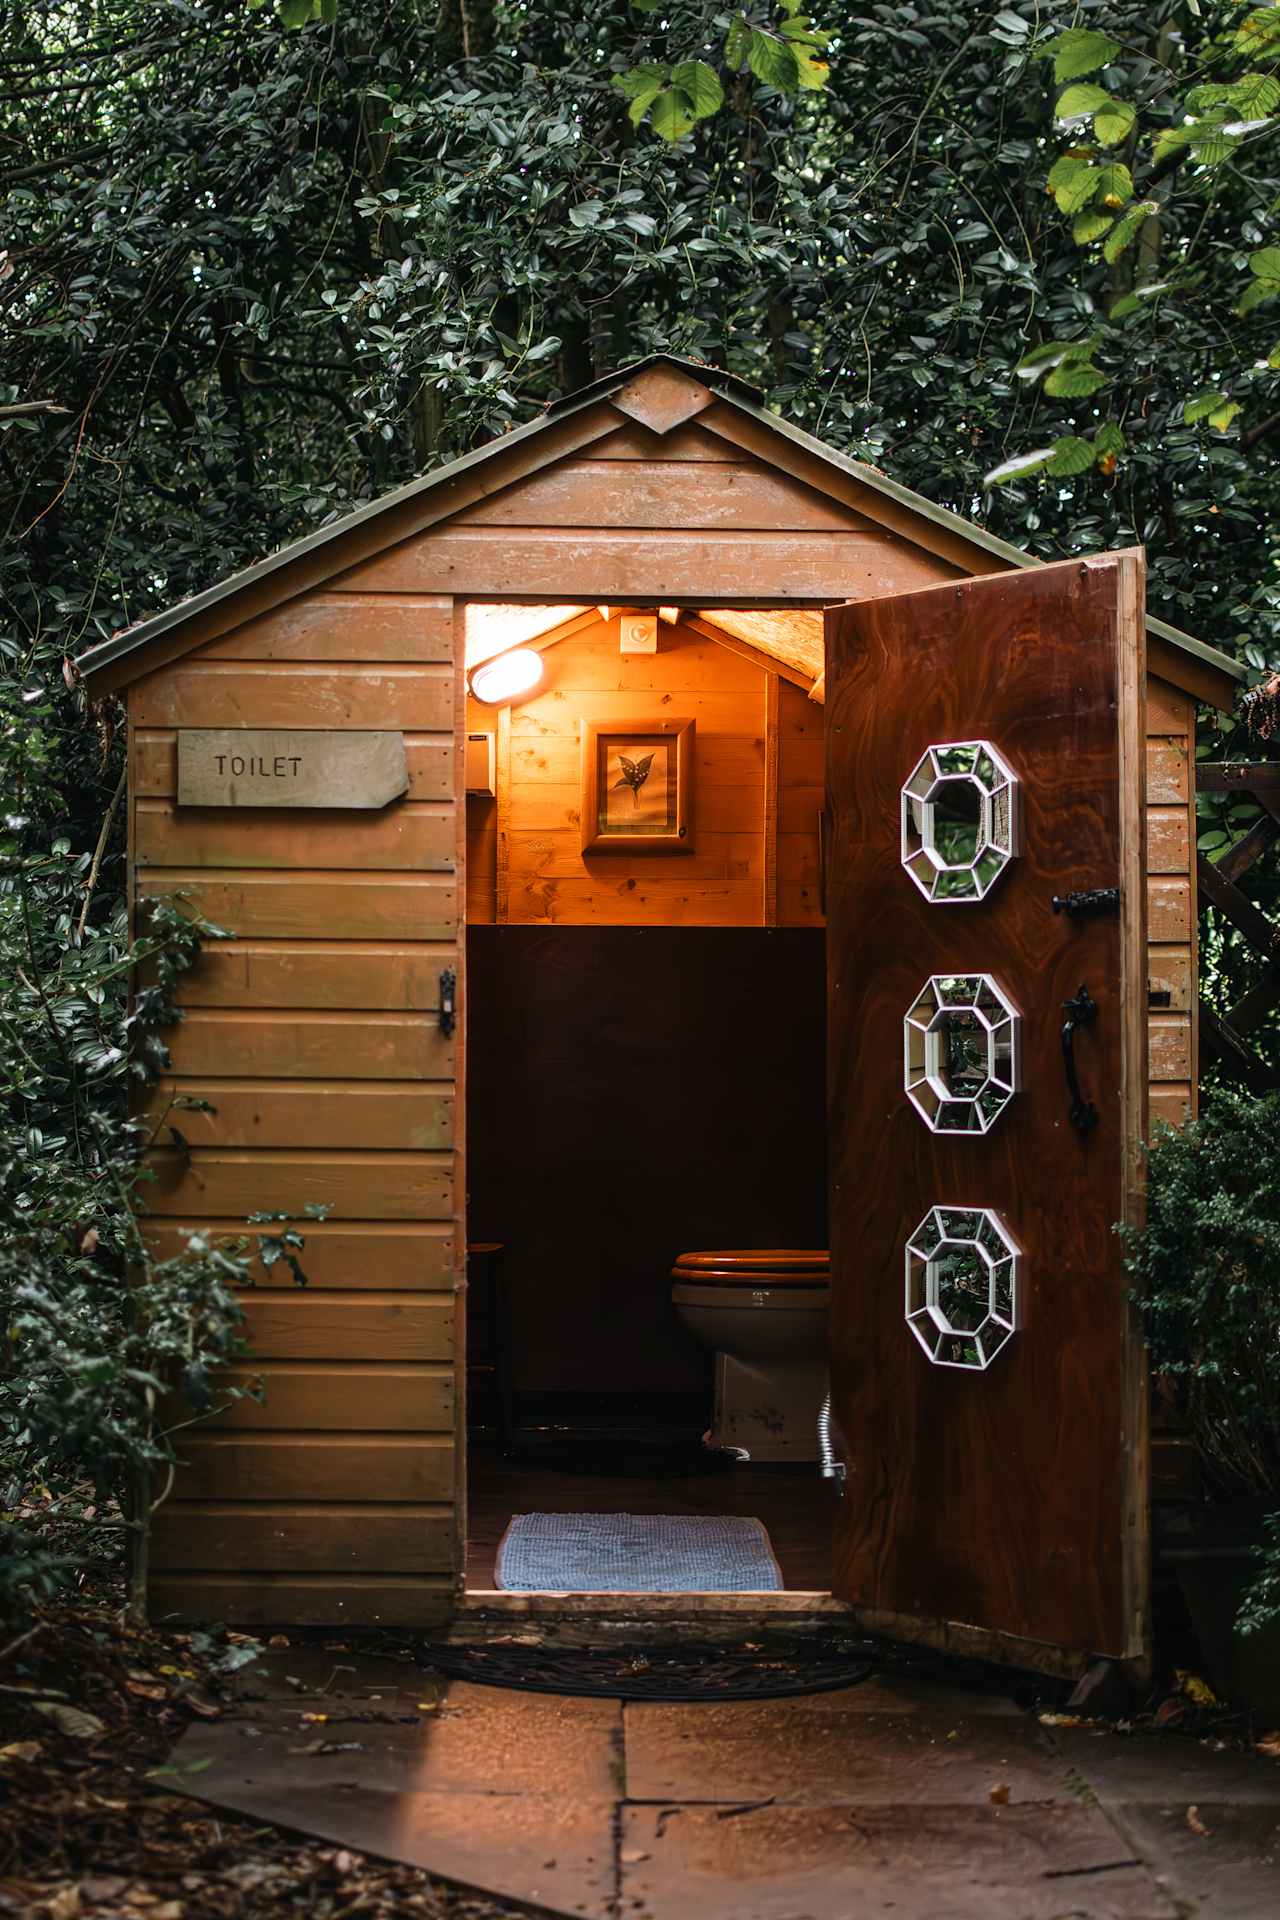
637 785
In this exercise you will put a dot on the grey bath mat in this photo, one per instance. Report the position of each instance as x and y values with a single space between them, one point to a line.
636 1553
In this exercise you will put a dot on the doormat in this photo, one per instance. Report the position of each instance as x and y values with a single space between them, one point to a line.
662 1673
636 1553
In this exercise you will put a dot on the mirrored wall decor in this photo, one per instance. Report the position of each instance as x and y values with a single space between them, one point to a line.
959 821
962 1286
960 1053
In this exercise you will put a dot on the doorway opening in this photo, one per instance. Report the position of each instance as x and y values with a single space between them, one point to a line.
645 1080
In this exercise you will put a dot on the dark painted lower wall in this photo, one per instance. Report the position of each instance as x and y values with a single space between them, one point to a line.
634 1093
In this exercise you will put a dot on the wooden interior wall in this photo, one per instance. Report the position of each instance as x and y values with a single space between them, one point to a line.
527 863
314 1037
801 774
1171 901
757 793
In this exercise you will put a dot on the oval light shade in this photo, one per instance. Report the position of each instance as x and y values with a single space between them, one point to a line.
507 677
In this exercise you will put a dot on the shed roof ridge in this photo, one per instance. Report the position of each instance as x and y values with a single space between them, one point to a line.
730 388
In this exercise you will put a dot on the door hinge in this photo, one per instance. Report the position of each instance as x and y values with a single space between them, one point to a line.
1089 900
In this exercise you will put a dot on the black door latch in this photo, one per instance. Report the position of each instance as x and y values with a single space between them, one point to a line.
1091 900
448 1001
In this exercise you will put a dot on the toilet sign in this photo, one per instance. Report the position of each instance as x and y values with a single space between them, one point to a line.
245 767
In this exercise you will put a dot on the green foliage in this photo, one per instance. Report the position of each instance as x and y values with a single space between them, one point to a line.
1206 1276
1260 1606
1191 96
673 99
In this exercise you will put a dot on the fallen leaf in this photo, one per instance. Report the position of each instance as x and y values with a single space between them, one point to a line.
630 1857
278 1640
1196 1824
315 1719
1198 1691
1064 1720
196 1703
999 1794
103 1886
427 1706
345 1862
63 1905
144 1690
1269 1744
1170 1711
21 1750
70 1720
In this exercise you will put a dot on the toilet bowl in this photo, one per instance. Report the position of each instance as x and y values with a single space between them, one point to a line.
763 1312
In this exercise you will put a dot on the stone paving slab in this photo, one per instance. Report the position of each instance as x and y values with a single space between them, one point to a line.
551 1853
852 1863
477 1740
755 1750
1166 1768
1226 1857
903 1693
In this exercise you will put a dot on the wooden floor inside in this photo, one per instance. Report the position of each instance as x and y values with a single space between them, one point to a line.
794 1503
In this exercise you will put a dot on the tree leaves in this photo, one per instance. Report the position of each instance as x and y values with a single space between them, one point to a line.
674 99
1078 51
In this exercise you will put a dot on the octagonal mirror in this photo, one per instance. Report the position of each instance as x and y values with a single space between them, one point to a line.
962 1286
961 1053
959 809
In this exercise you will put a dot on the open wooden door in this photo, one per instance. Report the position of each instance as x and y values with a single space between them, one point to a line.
987 1379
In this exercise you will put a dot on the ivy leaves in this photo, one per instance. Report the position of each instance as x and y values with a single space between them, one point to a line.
674 98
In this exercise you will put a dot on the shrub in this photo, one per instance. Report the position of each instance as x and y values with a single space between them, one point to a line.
1206 1276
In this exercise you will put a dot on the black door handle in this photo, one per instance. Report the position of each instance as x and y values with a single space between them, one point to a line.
1080 1012
448 1000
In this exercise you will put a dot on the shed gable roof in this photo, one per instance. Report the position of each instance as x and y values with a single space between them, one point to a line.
662 395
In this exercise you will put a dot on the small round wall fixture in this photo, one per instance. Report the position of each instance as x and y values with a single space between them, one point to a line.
962 1286
960 1053
507 677
959 821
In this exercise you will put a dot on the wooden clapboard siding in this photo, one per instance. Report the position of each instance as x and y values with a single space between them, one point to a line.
317 1600
312 1041
345 627
1172 957
386 1255
380 976
310 1044
408 833
318 1466
307 1537
226 1183
599 492
711 569
354 1398
309 905
217 693
313 1113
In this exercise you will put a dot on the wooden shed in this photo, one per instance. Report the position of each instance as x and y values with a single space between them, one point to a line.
640 1034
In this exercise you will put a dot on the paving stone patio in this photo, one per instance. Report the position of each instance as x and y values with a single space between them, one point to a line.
900 1797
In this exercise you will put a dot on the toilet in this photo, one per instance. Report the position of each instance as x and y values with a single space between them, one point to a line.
763 1313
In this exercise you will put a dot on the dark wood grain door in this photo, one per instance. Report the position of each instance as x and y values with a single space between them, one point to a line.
987 1380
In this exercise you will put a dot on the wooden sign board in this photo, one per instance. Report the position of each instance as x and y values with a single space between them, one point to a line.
244 767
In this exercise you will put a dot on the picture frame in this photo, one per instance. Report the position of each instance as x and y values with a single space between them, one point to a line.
637 786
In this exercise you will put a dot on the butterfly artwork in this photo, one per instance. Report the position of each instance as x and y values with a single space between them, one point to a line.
636 786
634 774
